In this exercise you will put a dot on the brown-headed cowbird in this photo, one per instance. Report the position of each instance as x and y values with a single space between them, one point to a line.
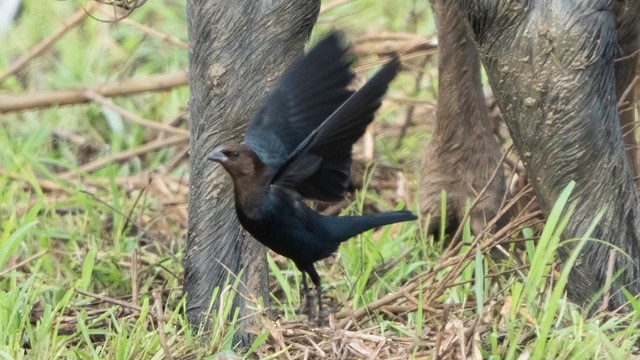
299 146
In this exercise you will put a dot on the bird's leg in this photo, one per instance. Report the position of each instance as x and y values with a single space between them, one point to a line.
315 278
304 296
304 289
319 294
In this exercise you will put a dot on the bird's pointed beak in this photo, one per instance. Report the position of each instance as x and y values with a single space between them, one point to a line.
217 155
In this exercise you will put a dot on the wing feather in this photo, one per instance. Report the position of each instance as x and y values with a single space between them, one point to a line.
310 121
319 167
311 89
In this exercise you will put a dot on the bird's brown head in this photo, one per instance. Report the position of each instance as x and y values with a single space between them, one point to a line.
237 159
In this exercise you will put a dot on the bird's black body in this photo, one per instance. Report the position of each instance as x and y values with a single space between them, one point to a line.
292 229
299 146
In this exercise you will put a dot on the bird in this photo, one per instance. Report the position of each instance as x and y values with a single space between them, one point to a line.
299 146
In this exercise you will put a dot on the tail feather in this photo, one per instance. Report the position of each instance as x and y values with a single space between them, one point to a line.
346 227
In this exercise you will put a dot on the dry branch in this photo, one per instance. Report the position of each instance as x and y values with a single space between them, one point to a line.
110 300
168 38
133 117
326 7
162 82
401 43
157 304
22 263
134 276
125 155
46 43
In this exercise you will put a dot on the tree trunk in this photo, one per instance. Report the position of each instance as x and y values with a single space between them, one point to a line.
463 153
628 29
551 66
237 51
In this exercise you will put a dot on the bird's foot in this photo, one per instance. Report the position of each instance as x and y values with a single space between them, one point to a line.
305 305
308 309
315 314
320 319
305 301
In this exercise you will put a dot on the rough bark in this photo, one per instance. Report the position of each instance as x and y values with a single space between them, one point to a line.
463 153
551 67
237 50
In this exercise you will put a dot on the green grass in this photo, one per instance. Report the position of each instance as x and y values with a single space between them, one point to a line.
82 236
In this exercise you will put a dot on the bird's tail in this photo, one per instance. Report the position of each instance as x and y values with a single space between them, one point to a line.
346 227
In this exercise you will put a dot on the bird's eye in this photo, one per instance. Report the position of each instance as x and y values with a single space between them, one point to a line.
231 154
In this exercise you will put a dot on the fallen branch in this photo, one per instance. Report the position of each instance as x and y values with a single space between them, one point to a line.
125 155
401 43
22 263
110 300
126 305
157 305
133 117
169 39
116 15
162 82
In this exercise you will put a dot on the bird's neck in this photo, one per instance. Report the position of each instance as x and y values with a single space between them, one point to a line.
250 190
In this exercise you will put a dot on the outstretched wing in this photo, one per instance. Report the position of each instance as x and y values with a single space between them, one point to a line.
311 89
319 167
